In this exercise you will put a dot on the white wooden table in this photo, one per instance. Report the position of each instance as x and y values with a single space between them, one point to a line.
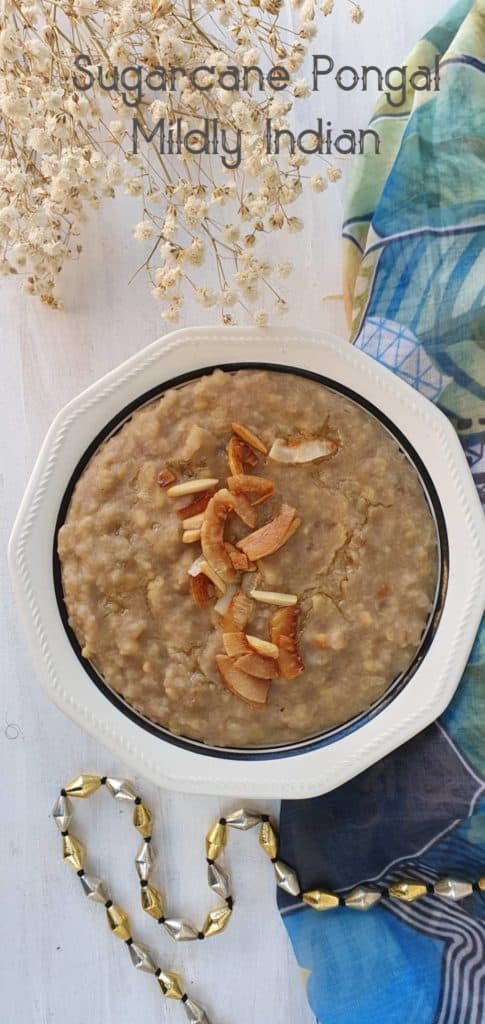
59 964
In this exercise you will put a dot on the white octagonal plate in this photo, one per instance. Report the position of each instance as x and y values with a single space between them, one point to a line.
324 762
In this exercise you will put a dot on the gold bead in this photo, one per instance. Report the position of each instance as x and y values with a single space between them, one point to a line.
83 785
481 883
170 985
320 899
142 820
407 891
268 839
215 841
151 901
73 852
118 922
216 920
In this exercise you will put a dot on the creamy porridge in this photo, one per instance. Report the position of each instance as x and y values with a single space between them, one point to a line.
249 560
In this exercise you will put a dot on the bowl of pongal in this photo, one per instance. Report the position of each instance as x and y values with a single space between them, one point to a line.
252 574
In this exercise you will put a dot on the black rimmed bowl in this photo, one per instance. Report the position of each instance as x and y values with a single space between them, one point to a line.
320 762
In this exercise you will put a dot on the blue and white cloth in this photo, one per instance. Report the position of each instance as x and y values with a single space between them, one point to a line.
415 287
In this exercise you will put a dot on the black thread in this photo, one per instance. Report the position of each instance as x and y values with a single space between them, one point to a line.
143 882
103 780
222 821
129 942
209 860
148 839
265 817
138 800
63 792
65 833
200 935
230 902
184 998
108 904
80 873
161 920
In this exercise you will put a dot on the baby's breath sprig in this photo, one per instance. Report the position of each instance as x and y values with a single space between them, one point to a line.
64 150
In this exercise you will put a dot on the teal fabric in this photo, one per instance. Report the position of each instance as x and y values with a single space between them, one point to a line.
414 258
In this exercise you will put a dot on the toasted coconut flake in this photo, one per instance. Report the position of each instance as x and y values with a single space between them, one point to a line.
283 628
223 602
251 439
262 646
239 454
192 487
256 488
269 538
289 661
207 570
212 534
235 644
238 613
202 589
198 505
259 666
193 522
244 510
190 536
284 622
166 477
253 691
294 450
273 597
239 560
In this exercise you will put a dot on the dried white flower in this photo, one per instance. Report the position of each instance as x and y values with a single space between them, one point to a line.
317 183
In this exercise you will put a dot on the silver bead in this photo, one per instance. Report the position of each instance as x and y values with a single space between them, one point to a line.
361 898
218 881
286 878
141 958
179 930
195 1012
62 813
453 888
243 819
121 789
94 889
144 861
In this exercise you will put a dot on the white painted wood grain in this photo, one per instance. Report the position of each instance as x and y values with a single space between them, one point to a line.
58 963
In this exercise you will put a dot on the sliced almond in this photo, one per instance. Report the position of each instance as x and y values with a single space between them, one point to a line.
273 597
262 646
294 450
191 487
166 477
253 691
207 570
238 613
202 589
239 454
269 538
259 666
256 488
194 569
212 534
197 506
190 536
252 439
239 560
235 644
193 522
